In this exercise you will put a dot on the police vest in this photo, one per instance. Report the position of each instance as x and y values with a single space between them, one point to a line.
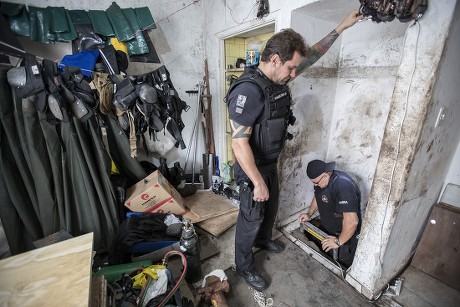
270 129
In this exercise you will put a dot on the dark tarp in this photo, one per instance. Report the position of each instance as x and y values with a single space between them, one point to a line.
57 177
17 199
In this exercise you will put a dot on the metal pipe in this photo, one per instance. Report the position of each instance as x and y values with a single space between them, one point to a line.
195 132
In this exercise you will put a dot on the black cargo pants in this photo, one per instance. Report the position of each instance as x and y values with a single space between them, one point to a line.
347 251
255 219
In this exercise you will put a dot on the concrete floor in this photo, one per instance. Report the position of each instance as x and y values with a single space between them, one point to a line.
298 280
295 279
421 290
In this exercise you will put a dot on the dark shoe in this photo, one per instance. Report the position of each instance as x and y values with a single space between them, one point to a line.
271 247
254 279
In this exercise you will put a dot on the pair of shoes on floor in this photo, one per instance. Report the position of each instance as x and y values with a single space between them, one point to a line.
254 279
271 247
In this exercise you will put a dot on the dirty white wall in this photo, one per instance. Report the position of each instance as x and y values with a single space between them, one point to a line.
226 18
415 157
313 97
341 102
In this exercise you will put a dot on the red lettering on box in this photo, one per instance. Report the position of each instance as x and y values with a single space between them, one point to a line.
158 205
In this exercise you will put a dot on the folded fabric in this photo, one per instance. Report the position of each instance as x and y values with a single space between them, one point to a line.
58 19
71 34
120 24
85 60
101 23
39 23
144 18
79 17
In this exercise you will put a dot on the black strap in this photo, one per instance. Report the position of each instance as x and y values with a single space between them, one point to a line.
175 132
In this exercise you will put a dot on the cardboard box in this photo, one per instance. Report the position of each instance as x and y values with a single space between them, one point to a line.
154 194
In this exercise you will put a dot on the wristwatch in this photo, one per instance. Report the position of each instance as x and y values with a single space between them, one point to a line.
336 241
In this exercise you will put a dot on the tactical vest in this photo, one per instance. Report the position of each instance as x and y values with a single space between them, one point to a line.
270 129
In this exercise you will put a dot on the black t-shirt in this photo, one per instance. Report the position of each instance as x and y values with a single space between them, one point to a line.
341 195
245 103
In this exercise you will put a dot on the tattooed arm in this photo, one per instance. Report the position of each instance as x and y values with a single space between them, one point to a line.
320 48
245 158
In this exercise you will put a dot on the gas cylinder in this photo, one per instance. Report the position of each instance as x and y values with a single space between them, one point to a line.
190 246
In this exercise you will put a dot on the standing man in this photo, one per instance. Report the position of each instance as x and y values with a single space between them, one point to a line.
259 112
338 198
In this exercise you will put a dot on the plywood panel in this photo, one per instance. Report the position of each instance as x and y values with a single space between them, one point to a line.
438 252
207 204
55 275
192 216
217 225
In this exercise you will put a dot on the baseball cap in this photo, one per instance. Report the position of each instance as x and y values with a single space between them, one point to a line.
317 167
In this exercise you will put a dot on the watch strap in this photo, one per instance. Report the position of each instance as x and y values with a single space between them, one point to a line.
337 242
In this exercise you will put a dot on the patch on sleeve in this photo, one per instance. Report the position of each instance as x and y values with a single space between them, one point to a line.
241 101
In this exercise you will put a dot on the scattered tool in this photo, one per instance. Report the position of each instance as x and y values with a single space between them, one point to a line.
320 235
213 291
192 92
206 109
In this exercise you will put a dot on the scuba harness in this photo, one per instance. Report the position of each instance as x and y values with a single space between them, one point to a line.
146 102
388 10
152 105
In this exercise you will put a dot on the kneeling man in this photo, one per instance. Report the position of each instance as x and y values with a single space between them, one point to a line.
337 197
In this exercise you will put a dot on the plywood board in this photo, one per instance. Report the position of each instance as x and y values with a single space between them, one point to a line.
191 216
438 252
54 275
217 225
207 204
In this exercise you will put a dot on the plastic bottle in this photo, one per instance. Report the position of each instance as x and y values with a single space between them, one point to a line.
190 246
216 167
253 52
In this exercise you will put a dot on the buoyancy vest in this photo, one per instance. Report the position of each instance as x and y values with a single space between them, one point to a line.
270 129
